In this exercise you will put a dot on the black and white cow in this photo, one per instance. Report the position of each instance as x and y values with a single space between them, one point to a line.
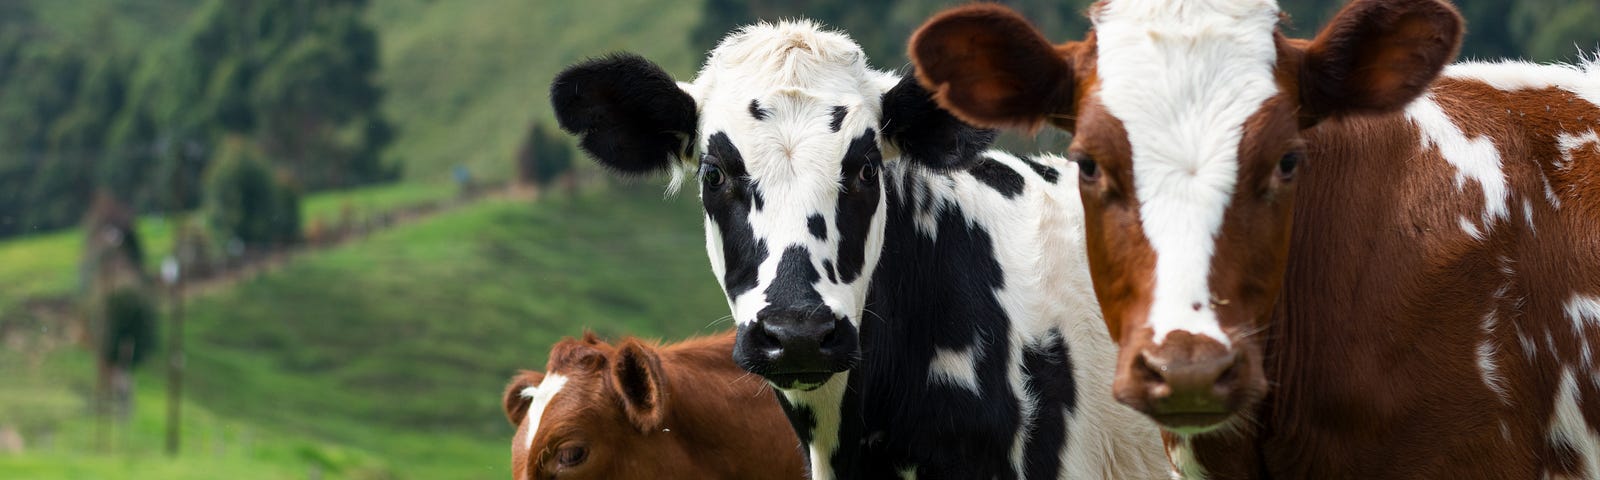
924 307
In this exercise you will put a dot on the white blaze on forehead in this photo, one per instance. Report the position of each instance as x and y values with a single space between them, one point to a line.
540 398
1183 78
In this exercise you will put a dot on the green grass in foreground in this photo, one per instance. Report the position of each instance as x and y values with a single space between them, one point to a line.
387 355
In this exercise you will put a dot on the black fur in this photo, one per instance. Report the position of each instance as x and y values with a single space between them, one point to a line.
627 112
925 294
857 204
802 418
1058 397
999 177
795 285
1049 173
839 111
818 226
756 111
926 134
729 209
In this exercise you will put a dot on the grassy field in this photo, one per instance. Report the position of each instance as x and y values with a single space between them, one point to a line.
385 357
465 77
46 265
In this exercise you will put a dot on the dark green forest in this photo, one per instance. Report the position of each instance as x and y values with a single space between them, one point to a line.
292 80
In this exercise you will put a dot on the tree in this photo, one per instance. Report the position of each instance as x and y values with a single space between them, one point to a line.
246 201
543 157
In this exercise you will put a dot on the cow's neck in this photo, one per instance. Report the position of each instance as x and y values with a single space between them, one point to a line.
1404 270
828 422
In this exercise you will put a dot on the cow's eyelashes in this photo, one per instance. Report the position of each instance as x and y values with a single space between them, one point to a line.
868 173
1289 164
572 456
712 177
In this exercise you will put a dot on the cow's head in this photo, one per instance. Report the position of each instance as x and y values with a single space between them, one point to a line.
594 412
1187 119
790 132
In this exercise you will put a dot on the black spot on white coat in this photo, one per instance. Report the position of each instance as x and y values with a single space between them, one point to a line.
839 111
1049 173
818 226
756 111
728 207
999 177
857 204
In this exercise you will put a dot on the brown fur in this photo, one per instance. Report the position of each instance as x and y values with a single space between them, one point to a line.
1351 292
640 410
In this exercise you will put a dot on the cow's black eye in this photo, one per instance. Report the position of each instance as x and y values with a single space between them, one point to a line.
869 173
712 176
1088 170
572 456
1289 163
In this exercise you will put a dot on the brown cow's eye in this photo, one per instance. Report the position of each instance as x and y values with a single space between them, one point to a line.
1288 164
572 456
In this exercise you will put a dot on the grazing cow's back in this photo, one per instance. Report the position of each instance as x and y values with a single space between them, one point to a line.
1419 300
638 410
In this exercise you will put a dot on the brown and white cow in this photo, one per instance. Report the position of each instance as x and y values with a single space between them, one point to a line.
1322 258
638 410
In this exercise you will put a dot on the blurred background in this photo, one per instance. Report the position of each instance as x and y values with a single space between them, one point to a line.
350 221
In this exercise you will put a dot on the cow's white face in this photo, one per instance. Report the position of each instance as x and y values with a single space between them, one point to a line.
789 175
789 132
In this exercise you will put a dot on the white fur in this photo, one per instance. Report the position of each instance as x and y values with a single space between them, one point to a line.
539 398
1567 424
955 367
1584 312
1183 78
1474 159
1184 463
824 404
1581 80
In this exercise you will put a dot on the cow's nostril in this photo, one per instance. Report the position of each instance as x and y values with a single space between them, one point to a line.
1147 371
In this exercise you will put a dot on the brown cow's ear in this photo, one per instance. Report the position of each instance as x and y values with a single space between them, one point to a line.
637 377
515 404
990 67
1376 56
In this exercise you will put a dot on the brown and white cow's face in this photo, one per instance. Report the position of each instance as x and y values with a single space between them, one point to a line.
1187 119
788 130
592 414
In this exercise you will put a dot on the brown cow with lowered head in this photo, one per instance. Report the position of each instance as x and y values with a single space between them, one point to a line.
638 410
1327 258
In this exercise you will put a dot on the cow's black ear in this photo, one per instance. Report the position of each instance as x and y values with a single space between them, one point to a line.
928 135
627 112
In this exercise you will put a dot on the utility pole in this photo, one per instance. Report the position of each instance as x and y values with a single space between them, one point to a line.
172 274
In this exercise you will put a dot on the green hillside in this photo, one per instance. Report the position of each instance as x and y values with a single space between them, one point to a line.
465 77
386 356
